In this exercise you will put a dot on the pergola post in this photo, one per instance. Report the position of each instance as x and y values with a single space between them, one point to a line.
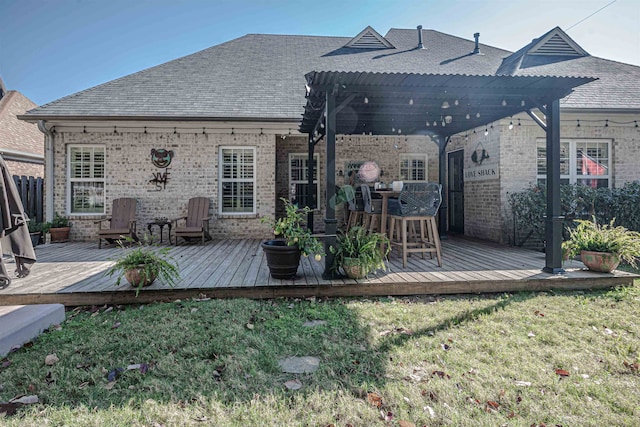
442 179
554 219
330 209
310 200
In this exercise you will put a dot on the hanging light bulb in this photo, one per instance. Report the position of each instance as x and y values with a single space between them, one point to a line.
467 116
443 123
399 131
456 102
522 103
486 131
519 124
606 123
427 124
435 123
478 115
511 125
366 100
445 104
393 129
411 101
504 102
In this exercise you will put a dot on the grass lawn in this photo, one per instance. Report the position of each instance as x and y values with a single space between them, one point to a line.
568 359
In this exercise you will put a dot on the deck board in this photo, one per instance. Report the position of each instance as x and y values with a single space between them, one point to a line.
73 274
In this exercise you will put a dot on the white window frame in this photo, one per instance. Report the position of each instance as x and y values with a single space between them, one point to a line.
305 157
222 180
573 177
71 180
411 157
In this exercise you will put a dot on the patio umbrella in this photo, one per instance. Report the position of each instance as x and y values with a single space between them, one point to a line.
14 233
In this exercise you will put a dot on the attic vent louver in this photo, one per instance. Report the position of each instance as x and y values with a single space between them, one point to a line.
369 39
557 43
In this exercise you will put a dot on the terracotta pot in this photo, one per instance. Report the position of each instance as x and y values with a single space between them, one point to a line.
282 260
136 277
353 269
59 234
603 262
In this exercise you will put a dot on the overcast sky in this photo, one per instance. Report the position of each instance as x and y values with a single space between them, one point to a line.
54 48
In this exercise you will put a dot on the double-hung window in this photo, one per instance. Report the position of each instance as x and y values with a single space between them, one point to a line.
237 194
86 179
299 179
585 162
413 167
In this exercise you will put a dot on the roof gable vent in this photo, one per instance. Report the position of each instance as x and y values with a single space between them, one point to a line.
369 39
557 43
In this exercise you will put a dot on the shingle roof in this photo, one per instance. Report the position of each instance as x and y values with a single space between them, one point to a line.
260 76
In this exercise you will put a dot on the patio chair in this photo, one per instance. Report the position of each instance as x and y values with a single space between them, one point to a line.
416 205
196 223
122 222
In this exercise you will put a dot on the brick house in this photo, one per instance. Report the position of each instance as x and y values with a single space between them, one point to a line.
21 143
230 116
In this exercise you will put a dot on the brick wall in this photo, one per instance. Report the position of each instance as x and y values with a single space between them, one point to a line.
384 150
193 172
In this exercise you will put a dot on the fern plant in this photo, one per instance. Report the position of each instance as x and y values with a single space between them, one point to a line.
363 247
617 240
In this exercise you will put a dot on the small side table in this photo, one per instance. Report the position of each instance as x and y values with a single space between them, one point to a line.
161 225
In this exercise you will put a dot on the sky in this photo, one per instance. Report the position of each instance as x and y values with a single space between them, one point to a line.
53 48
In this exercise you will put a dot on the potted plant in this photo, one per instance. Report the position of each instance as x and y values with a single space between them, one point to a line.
35 231
58 228
358 252
143 264
283 253
602 247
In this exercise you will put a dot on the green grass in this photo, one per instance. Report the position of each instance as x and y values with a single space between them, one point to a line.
446 356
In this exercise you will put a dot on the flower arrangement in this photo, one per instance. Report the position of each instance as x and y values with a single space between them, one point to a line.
289 227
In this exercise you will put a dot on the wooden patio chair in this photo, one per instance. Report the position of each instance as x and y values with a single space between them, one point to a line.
195 223
122 222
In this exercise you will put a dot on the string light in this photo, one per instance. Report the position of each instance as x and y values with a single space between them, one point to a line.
411 101
467 116
366 100
510 124
486 131
478 115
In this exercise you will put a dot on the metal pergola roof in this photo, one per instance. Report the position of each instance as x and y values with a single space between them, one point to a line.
440 106
406 104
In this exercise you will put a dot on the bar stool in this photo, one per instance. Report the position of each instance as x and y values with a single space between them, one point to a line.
372 211
356 211
412 216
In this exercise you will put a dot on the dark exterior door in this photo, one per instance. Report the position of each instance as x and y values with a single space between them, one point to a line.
456 191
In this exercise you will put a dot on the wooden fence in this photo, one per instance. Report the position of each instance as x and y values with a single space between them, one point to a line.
32 196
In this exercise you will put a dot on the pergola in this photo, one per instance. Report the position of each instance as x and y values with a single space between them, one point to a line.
439 106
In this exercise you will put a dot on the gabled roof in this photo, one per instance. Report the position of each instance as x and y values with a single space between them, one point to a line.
556 43
261 77
16 135
369 39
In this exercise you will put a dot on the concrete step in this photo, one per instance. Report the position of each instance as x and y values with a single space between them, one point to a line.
22 323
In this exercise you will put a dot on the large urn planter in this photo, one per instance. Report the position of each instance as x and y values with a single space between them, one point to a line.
283 260
602 262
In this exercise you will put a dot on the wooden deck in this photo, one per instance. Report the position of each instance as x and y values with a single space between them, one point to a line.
73 274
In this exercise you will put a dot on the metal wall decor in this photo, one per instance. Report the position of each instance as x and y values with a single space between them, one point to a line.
479 155
161 158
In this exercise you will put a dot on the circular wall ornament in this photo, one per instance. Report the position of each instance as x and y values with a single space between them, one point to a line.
161 158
